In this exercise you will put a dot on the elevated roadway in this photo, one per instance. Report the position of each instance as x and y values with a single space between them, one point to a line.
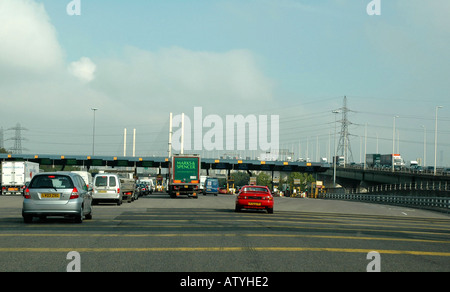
352 177
162 162
356 176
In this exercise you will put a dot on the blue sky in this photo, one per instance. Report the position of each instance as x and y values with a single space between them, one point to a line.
293 58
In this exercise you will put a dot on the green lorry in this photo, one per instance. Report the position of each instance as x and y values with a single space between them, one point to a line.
184 176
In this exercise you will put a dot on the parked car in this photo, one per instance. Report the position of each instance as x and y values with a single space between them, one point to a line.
107 188
57 194
211 186
254 197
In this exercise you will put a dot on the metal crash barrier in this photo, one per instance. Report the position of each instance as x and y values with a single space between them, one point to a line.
424 202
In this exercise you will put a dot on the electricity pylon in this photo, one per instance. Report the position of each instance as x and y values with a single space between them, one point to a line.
344 147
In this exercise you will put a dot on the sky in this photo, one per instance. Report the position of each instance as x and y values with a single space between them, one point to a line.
137 61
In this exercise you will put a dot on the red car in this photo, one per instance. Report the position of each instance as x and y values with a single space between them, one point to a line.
254 197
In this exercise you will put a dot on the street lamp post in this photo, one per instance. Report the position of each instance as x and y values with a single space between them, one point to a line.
435 138
393 143
335 112
424 146
93 132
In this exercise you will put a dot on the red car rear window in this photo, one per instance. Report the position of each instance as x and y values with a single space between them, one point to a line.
254 189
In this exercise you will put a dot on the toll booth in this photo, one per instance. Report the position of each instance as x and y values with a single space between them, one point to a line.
230 184
317 189
159 183
275 184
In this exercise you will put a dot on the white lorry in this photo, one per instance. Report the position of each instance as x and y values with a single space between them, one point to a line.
16 175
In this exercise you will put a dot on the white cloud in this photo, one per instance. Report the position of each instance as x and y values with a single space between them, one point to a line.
84 69
181 77
28 40
140 87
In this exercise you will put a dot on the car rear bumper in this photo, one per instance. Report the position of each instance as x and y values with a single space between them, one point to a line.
32 208
254 204
51 213
211 193
106 196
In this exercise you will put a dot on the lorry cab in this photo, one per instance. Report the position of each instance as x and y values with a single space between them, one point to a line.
184 176
107 188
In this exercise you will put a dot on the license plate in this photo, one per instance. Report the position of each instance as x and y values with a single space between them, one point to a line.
50 196
102 192
13 189
254 204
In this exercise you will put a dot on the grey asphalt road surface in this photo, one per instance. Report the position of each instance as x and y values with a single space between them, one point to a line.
159 234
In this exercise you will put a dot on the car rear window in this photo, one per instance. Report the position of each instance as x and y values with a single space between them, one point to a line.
51 181
102 181
254 189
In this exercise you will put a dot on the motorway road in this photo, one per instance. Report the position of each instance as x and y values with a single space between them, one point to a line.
156 233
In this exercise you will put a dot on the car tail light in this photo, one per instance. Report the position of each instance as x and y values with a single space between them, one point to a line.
74 194
27 194
118 190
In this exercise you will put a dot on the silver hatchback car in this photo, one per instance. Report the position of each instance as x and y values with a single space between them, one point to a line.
57 194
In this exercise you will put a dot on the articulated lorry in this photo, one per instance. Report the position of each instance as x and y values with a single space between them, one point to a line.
388 159
184 176
15 176
339 160
373 160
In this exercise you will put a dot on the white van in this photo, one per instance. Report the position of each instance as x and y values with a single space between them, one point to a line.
87 176
107 188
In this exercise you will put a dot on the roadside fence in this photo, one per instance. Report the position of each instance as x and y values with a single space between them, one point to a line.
426 195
